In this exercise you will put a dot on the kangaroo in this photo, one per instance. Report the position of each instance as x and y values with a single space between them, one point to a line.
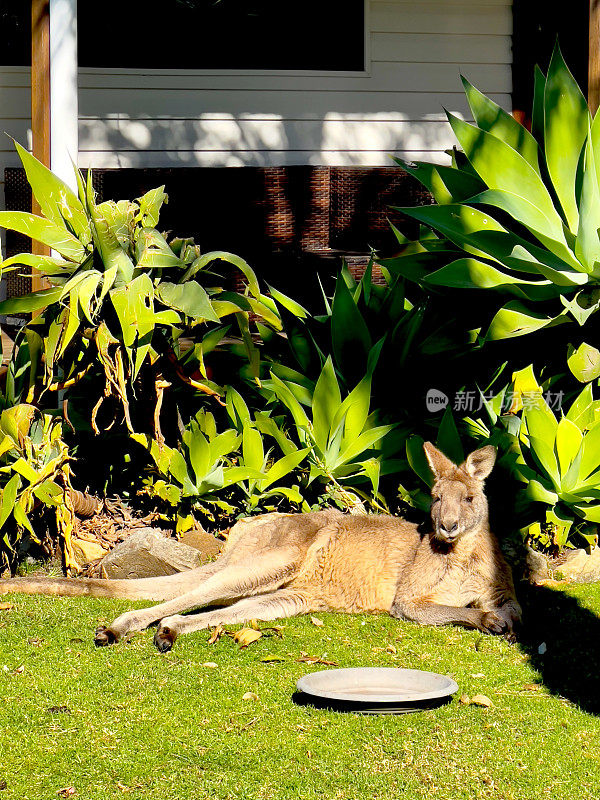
282 565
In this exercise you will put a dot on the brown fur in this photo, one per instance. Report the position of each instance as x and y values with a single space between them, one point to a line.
280 565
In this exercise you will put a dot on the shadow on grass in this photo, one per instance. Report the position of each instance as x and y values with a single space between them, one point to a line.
569 664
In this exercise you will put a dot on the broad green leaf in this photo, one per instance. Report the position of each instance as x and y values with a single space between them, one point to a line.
469 273
285 395
501 167
30 302
587 243
221 255
56 200
223 444
284 466
153 251
44 231
583 409
537 114
269 427
538 493
522 209
584 363
25 469
252 448
568 442
590 512
363 443
178 468
326 401
590 452
354 410
189 297
47 265
492 118
237 408
150 205
288 303
446 184
134 305
8 498
448 439
21 517
566 125
199 452
514 319
350 337
86 292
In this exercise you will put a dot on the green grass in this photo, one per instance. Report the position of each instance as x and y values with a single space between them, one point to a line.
126 722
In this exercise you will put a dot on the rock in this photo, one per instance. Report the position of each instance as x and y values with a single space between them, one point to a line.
147 553
537 567
204 542
85 551
581 566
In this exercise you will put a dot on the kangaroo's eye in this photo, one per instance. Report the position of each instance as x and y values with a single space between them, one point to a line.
469 499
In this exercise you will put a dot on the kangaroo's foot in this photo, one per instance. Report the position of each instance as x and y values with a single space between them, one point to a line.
104 636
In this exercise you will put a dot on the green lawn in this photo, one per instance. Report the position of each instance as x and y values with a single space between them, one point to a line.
127 722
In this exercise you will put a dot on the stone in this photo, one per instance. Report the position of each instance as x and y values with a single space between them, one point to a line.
148 553
581 566
204 542
537 567
86 551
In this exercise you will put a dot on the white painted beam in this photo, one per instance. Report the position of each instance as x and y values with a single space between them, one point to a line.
64 142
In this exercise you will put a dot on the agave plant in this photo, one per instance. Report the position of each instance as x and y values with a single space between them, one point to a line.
196 475
120 296
517 212
341 435
34 474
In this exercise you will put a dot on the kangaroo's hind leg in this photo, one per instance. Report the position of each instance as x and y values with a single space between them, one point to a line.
275 605
261 573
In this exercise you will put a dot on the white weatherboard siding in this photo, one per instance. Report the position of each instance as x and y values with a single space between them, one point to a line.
416 51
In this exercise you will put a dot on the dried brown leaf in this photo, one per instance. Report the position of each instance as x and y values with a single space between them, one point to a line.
249 696
210 665
316 621
391 649
481 700
246 636
6 606
216 634
67 791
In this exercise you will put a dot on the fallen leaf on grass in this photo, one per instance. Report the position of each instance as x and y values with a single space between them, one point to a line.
58 710
67 791
477 700
316 621
6 606
306 659
391 649
249 696
245 636
271 659
3 785
531 687
210 665
216 634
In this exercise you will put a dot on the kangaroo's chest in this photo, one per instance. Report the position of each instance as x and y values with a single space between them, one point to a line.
452 580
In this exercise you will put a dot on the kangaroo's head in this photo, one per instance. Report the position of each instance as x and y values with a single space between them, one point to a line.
458 502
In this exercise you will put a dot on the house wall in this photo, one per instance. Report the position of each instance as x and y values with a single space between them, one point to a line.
416 50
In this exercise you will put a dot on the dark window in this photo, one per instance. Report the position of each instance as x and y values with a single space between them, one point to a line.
222 34
15 24
537 25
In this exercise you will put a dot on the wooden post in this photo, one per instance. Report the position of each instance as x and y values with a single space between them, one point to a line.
40 104
594 57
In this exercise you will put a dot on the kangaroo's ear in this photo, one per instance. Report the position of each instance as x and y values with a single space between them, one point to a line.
441 466
480 462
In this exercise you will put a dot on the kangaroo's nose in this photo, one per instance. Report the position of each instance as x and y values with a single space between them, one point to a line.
449 527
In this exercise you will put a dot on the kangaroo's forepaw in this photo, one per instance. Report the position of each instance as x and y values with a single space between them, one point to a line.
104 636
493 623
164 639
